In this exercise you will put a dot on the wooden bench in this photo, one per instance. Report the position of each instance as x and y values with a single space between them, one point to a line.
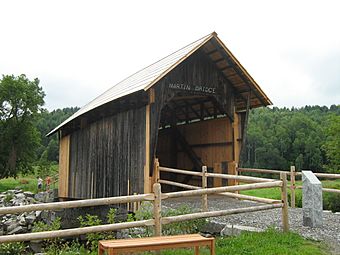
156 243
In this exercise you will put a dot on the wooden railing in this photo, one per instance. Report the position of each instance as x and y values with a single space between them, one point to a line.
203 191
292 173
157 197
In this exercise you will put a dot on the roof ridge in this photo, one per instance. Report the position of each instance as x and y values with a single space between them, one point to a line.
122 90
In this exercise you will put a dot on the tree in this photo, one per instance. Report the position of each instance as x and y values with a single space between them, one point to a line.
332 144
20 102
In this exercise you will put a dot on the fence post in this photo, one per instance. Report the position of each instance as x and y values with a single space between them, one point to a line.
204 186
156 169
292 186
157 208
285 220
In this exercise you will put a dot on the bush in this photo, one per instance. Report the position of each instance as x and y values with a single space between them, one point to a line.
16 248
186 227
92 238
331 201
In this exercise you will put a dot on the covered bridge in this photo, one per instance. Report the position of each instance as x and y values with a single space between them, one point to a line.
188 109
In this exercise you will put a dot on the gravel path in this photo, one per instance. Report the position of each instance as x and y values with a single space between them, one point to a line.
329 233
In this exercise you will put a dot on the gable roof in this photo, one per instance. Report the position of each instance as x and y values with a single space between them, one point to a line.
150 75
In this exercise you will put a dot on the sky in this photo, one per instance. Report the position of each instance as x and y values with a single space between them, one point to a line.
79 49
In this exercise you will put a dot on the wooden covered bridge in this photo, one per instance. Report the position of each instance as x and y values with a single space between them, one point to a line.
188 109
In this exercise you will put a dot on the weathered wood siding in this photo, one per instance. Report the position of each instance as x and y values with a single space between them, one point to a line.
106 154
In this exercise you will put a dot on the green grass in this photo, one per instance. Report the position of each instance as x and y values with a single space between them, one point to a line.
27 183
265 243
275 193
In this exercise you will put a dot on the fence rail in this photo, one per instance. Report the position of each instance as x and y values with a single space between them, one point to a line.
156 197
230 191
292 173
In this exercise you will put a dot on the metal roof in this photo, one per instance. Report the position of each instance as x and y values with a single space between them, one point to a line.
147 77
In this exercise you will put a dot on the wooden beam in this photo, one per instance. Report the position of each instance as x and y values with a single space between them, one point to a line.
188 150
64 166
147 187
232 171
217 170
237 69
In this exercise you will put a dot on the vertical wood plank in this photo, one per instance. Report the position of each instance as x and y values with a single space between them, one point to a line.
147 151
232 170
236 136
64 163
217 170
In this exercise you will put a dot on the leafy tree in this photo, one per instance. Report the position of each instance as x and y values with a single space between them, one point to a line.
280 137
20 102
332 144
49 148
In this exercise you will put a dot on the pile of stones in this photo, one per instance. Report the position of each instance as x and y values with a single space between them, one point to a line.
21 222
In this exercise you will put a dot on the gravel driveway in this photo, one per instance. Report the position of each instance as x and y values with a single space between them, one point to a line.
329 233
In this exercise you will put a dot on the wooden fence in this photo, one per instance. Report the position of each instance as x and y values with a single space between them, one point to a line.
292 173
157 197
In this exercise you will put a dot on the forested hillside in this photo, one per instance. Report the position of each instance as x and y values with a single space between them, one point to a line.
306 137
49 146
277 138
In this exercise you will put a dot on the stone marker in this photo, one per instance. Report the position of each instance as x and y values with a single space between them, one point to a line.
311 200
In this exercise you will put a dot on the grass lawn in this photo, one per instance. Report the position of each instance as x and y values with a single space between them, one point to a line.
275 193
265 243
27 183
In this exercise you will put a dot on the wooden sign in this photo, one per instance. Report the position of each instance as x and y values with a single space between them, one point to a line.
193 88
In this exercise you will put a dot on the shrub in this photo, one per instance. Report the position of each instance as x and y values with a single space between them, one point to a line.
16 248
331 201
92 238
9 196
186 227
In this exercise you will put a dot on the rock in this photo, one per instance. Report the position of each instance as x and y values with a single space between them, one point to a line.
12 226
20 196
22 221
30 218
30 200
29 194
36 246
124 233
234 230
38 215
213 227
48 216
17 230
311 200
41 196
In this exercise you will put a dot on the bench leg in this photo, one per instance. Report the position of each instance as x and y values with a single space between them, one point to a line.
212 247
197 250
100 250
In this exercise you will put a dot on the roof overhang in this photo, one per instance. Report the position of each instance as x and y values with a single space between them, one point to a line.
247 90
